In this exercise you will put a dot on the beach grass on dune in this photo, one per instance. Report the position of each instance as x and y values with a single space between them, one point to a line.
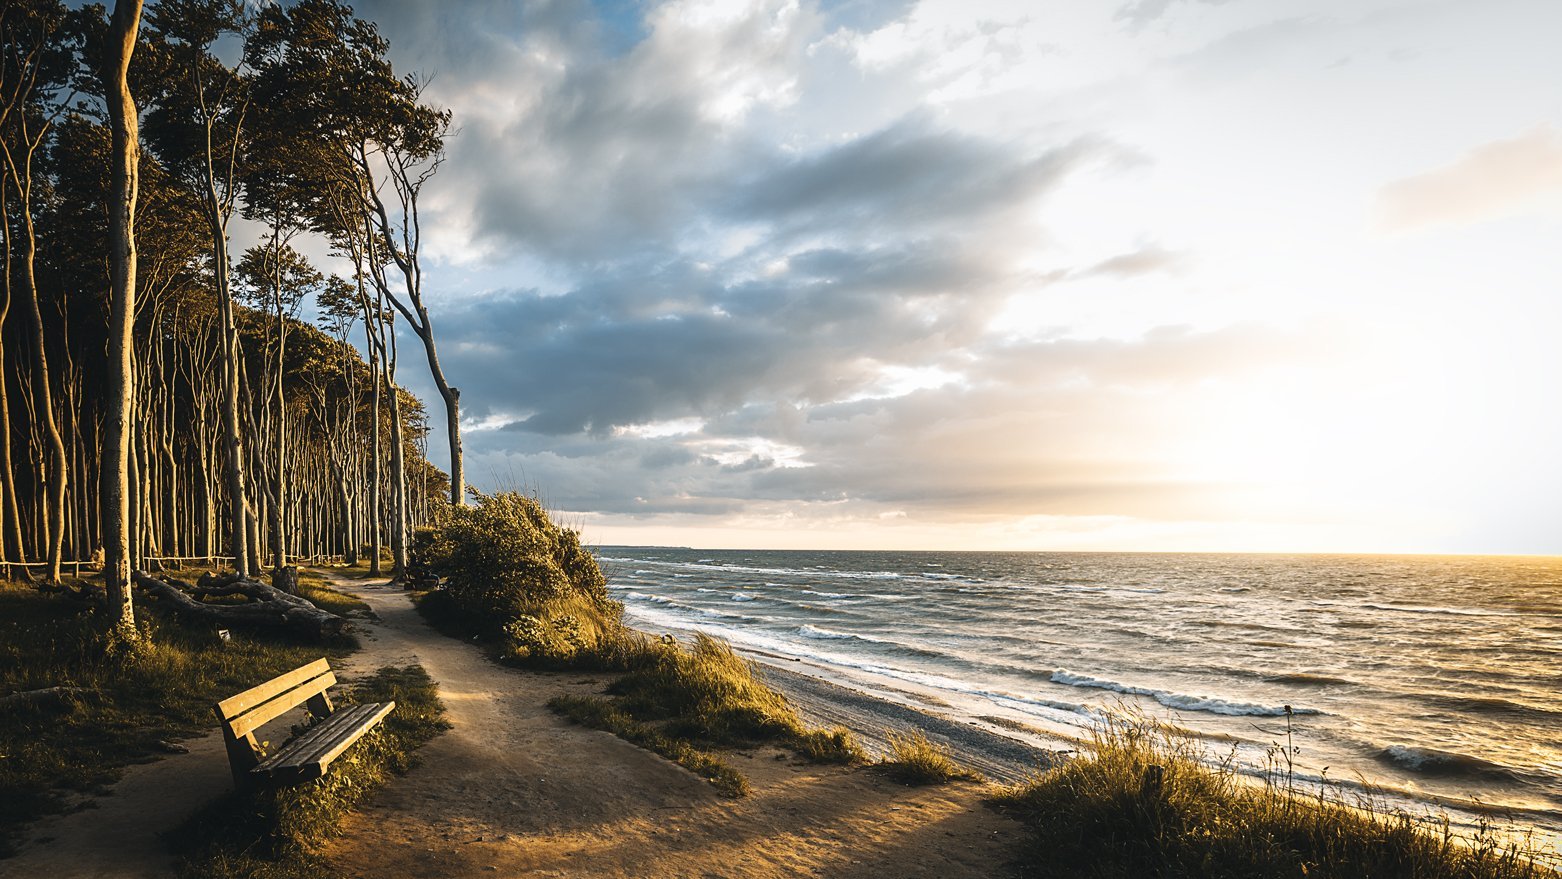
1144 802
912 759
117 711
681 701
274 833
707 692
602 714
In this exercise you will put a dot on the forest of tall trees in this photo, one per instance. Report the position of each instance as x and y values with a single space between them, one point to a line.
167 392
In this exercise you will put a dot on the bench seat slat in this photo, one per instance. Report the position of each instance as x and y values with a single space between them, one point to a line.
308 756
269 711
236 705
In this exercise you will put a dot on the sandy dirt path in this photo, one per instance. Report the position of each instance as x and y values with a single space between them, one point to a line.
512 790
116 836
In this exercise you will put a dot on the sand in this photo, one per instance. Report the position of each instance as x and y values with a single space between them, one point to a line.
513 790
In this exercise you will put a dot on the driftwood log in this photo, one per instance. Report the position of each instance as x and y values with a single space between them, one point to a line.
267 606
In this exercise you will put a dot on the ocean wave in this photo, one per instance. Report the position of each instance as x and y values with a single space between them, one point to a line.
1496 705
646 596
1180 701
808 631
1307 679
785 572
822 594
664 601
1451 764
745 596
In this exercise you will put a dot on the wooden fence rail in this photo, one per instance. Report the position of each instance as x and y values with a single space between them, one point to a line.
9 570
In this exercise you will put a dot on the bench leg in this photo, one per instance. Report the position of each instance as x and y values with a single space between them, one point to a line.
243 755
319 705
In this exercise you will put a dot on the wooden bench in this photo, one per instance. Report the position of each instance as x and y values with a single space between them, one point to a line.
307 756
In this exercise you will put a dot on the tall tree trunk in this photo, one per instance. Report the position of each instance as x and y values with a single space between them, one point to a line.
375 507
58 472
126 152
12 546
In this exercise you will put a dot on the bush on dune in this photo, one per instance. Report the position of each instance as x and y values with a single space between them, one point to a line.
511 574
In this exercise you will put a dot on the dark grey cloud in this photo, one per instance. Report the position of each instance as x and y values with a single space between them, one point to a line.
678 342
908 176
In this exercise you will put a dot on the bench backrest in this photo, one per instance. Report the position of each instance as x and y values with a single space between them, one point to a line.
241 715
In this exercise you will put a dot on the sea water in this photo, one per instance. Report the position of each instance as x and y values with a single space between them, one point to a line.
1434 680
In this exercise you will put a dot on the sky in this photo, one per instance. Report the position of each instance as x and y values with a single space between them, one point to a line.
1160 275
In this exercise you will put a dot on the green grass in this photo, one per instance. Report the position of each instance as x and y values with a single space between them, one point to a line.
602 714
314 586
913 759
1143 802
128 711
275 833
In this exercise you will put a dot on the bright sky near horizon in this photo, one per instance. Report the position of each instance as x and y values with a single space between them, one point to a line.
1274 275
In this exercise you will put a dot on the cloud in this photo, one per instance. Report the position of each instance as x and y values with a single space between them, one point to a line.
1489 182
1144 261
1140 13
1031 428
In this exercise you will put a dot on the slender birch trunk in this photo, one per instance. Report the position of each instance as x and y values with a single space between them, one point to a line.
126 153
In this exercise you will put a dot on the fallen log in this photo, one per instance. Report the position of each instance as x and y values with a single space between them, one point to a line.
267 606
43 695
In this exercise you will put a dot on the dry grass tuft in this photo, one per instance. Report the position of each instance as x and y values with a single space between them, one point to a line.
915 760
1143 802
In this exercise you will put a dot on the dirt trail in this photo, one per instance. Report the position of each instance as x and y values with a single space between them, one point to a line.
116 836
512 790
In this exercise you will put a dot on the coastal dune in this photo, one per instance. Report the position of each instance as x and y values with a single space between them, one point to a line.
513 789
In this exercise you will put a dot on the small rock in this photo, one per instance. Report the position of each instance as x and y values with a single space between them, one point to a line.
171 747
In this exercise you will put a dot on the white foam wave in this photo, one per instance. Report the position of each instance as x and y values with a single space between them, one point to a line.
646 596
745 596
1180 701
808 631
